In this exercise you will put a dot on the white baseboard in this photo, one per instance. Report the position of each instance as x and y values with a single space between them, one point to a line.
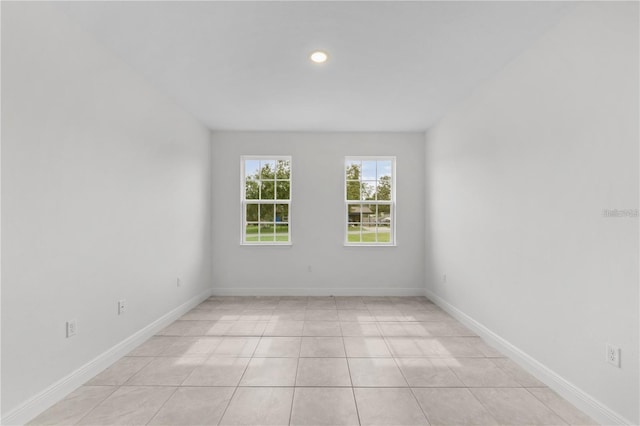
57 391
317 291
582 400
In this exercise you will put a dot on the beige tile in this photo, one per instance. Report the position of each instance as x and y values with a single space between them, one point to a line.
323 372
518 373
75 406
209 315
154 346
562 407
483 348
481 372
237 346
425 372
129 405
219 328
428 347
120 371
384 315
218 371
187 328
165 371
256 315
288 315
321 304
321 328
388 406
364 347
278 347
516 406
453 347
194 406
259 406
373 372
359 328
322 347
446 328
352 304
324 406
246 328
292 305
354 315
429 315
192 346
452 407
283 328
321 315
270 372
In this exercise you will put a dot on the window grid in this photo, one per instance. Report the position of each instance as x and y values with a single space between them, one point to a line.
266 200
370 201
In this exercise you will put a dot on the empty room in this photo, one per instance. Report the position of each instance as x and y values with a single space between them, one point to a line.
320 213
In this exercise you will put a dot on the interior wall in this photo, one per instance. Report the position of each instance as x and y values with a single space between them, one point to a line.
105 196
518 178
318 263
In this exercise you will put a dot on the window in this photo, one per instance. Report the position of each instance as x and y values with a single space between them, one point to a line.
370 200
266 200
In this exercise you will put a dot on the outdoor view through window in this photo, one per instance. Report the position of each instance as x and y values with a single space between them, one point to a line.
370 200
266 199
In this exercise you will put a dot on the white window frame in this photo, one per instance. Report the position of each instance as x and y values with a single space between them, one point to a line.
274 201
391 202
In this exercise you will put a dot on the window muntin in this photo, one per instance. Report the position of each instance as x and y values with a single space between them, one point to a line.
370 200
266 200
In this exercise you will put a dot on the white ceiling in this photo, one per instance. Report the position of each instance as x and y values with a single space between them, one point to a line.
394 66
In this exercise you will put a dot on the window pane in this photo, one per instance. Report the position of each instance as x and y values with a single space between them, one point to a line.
251 213
266 232
282 213
384 188
252 168
368 214
266 213
252 189
368 190
384 168
353 233
353 169
353 190
384 214
384 234
354 213
267 190
283 190
369 170
251 232
267 169
283 170
282 232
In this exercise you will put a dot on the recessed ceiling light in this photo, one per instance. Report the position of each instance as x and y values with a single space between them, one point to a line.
319 57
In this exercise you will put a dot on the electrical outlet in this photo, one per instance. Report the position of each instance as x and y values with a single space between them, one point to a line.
309 268
122 306
72 328
613 355
179 283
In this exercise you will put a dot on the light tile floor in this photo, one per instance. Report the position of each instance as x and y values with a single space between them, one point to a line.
314 361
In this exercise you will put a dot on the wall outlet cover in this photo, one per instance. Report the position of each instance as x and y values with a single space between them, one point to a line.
613 355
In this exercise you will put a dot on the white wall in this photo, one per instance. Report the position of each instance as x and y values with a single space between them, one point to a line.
317 217
105 195
517 180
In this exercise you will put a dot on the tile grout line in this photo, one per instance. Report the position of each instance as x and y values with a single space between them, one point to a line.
405 379
353 392
240 380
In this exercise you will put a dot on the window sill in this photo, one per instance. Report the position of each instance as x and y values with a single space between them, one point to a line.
288 244
369 245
